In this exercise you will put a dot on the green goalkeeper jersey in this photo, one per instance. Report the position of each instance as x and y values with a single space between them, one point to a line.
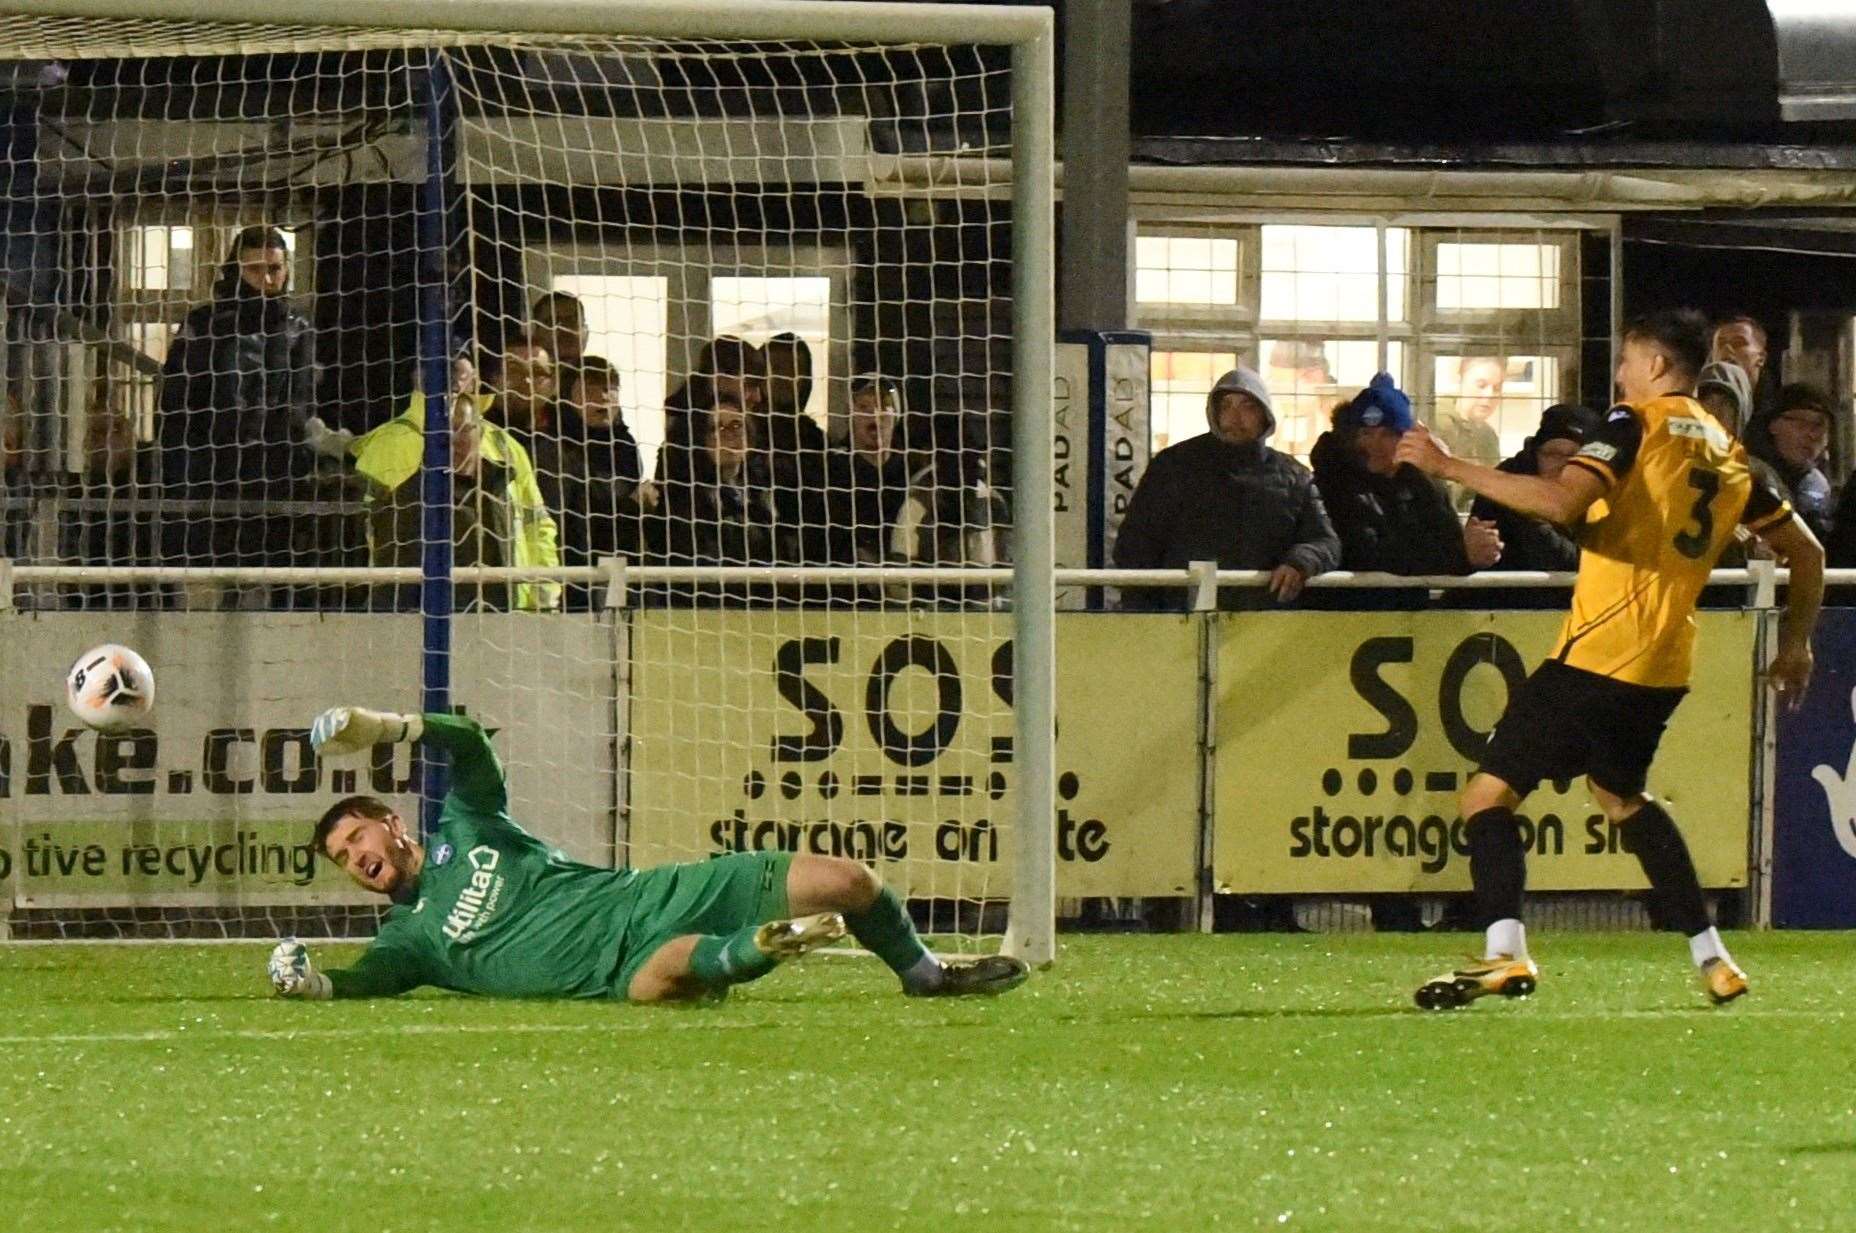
496 911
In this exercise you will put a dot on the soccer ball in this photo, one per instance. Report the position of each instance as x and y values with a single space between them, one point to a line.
110 688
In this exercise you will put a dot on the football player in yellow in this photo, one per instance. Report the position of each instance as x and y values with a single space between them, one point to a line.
1675 484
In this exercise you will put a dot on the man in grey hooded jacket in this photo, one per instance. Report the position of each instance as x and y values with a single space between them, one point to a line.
1227 497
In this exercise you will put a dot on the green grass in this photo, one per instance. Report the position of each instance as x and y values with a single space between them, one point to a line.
1176 1083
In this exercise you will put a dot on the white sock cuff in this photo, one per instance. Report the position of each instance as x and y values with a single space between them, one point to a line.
1707 945
1505 937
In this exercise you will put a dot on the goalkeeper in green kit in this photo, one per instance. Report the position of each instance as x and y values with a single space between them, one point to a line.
487 908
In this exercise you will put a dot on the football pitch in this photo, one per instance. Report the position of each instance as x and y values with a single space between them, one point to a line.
1174 1082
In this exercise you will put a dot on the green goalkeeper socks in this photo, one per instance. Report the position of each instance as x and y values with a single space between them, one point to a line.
719 962
885 930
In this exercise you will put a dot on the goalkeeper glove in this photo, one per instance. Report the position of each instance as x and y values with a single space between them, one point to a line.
352 729
326 442
292 976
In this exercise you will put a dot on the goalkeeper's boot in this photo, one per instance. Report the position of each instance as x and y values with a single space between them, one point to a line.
1503 974
781 940
979 977
1722 981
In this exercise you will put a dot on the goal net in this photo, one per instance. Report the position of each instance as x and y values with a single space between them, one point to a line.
583 377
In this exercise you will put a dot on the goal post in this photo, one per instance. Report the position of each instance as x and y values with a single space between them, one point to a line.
585 149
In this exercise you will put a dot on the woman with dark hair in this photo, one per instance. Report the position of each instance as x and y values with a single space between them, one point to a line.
236 407
708 512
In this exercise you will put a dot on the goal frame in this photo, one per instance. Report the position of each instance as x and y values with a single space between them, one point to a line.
1029 33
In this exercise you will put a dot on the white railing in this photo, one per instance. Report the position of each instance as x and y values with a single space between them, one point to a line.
626 574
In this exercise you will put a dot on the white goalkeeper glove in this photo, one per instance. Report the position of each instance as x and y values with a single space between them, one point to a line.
293 977
326 442
352 729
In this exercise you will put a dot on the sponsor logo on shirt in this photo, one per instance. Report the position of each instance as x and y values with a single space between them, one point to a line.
442 853
1682 426
477 902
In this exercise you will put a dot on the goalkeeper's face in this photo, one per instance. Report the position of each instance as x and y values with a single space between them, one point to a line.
376 852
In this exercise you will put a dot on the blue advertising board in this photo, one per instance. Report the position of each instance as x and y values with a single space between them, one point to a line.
1814 793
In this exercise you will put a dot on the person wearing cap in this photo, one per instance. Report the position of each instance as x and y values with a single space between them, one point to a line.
1391 519
1795 439
1528 543
1226 496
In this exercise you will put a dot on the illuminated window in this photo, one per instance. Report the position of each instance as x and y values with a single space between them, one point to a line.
757 308
1323 305
1332 273
158 258
627 323
1499 276
1185 270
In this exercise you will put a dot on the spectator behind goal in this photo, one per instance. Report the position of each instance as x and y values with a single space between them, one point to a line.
499 516
1527 543
1225 496
952 516
790 458
588 468
708 512
237 401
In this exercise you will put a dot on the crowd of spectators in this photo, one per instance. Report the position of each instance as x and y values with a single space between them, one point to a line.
1226 497
546 471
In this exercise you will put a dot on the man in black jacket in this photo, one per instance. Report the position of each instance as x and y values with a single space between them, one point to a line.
1227 497
237 418
1527 543
1390 519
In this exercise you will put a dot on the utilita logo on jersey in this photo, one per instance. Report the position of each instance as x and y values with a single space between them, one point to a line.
1840 794
477 901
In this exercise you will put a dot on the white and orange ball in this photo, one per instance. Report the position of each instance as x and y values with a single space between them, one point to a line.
110 688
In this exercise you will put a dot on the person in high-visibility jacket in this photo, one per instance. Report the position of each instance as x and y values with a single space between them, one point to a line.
499 516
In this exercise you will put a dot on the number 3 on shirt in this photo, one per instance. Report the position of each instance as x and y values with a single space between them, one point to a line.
1706 484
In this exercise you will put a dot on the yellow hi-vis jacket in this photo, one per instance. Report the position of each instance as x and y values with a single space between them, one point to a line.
391 454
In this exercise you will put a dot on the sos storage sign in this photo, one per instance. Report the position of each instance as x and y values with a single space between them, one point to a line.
888 737
1343 739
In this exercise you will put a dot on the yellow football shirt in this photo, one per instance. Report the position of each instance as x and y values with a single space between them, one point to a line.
1676 486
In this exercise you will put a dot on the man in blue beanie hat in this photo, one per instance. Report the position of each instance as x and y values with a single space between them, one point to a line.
1225 496
1391 520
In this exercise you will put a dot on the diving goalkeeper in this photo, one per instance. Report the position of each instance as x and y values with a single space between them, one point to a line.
487 908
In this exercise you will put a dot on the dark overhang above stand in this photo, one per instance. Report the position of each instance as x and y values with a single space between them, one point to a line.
1431 72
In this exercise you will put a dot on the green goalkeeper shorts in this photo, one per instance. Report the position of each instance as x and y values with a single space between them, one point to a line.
718 896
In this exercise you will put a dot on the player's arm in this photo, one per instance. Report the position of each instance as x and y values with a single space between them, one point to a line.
1793 543
477 780
383 970
1562 501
